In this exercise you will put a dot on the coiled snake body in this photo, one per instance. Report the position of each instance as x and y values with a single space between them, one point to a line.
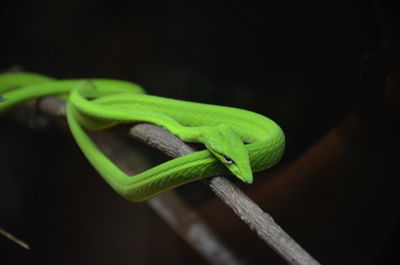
238 141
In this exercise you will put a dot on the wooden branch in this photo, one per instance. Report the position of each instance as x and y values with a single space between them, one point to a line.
258 221
250 213
14 239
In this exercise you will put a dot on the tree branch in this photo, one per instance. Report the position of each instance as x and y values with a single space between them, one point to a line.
14 239
250 213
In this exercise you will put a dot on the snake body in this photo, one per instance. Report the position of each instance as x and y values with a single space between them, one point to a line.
238 141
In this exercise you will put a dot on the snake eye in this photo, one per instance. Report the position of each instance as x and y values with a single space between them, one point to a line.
228 160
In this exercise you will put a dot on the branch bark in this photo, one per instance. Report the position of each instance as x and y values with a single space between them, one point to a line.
14 239
250 213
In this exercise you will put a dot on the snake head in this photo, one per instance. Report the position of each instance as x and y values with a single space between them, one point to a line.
229 149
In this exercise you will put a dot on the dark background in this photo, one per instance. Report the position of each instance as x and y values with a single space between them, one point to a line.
298 62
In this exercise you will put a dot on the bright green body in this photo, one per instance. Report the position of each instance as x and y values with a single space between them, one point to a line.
98 104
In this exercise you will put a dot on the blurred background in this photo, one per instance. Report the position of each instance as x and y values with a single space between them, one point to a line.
325 71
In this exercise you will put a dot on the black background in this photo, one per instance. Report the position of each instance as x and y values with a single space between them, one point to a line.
298 62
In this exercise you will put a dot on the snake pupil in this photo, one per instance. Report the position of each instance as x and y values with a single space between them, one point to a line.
228 160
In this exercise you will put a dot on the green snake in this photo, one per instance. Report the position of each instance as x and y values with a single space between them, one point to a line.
237 141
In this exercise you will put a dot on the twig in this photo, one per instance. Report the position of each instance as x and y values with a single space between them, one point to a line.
14 239
250 213
258 221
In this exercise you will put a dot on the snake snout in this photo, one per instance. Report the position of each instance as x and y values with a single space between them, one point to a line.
246 175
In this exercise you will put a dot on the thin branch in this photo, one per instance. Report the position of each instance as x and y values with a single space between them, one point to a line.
14 239
250 213
258 221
